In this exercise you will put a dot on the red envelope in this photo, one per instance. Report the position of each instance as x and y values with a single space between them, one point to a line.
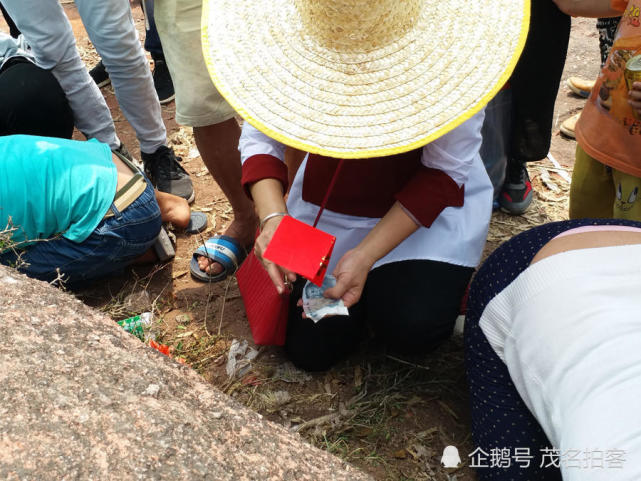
301 248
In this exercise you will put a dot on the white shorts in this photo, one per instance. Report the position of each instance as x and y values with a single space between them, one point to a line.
198 102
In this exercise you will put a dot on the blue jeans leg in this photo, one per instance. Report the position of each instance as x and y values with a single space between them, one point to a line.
114 244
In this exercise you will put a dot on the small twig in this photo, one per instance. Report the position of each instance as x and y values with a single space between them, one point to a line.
200 361
155 301
333 416
418 366
59 281
556 164
448 409
222 309
315 422
209 294
209 289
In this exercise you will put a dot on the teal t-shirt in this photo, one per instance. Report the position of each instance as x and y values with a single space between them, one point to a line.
54 186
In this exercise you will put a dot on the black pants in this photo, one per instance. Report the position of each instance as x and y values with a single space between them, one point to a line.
607 28
411 305
32 102
535 82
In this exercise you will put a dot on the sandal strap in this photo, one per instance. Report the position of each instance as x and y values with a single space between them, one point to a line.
219 253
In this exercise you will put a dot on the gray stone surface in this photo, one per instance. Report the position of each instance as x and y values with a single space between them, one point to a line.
82 399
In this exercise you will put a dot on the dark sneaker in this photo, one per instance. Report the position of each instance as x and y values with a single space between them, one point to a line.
167 175
100 75
162 82
516 194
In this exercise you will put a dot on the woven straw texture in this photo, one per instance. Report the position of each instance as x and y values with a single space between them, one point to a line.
361 78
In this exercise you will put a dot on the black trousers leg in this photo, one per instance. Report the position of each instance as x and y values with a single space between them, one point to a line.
607 28
412 306
318 346
535 82
32 102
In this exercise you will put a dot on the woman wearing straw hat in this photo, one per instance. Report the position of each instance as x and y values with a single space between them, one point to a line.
398 89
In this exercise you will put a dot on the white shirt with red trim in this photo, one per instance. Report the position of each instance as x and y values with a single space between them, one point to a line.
458 234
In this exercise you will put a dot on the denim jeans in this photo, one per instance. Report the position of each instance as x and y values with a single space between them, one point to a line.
114 244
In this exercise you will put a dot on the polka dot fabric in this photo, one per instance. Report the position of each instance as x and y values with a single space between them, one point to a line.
500 419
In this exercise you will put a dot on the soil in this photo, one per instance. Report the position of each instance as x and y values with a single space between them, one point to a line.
391 417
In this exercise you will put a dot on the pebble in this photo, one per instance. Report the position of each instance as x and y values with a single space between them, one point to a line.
152 390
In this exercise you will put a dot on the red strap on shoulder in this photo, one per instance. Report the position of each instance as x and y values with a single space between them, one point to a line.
329 191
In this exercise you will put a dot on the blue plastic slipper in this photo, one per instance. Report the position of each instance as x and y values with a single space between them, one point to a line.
197 223
222 249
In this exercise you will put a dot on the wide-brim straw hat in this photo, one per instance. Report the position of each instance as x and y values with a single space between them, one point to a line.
361 78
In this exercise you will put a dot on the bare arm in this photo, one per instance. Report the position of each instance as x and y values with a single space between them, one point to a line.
269 198
352 269
587 8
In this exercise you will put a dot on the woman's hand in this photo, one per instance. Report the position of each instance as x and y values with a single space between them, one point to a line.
635 97
351 273
277 274
352 269
268 199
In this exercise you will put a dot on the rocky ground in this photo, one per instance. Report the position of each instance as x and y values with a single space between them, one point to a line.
391 417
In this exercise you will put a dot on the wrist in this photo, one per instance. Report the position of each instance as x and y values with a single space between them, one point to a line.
365 255
271 217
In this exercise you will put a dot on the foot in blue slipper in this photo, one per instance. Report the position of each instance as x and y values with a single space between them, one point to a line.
222 249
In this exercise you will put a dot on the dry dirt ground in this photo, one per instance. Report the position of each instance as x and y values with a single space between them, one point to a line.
391 417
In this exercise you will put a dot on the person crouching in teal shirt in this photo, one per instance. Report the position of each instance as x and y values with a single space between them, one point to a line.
73 210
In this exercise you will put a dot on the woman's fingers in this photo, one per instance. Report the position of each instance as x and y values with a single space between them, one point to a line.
282 278
291 276
351 297
336 292
300 304
276 276
347 288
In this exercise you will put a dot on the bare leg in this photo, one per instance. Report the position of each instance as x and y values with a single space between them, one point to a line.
218 147
173 209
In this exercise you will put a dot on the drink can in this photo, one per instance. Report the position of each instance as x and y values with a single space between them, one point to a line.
137 325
